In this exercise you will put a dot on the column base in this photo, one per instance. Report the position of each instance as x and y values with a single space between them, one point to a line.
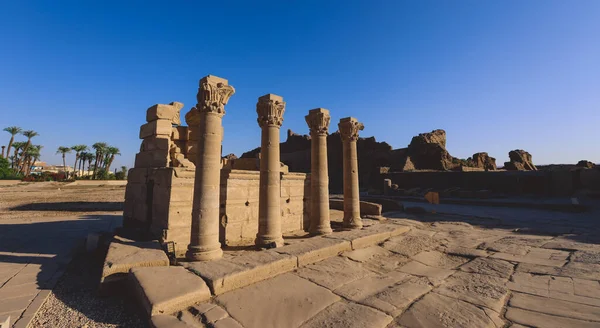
198 254
320 230
268 241
352 224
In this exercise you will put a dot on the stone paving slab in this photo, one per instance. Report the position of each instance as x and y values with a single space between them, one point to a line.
369 236
484 290
124 254
348 315
555 307
334 272
395 299
435 275
436 310
166 290
295 301
537 319
492 267
315 249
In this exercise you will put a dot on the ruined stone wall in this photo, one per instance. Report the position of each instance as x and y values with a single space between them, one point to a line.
159 200
239 205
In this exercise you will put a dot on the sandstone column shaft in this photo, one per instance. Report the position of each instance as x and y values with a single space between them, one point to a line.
349 128
318 122
270 109
213 95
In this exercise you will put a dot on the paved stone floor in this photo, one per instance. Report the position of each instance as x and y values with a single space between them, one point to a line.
482 267
34 253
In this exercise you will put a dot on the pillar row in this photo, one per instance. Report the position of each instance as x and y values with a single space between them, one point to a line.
349 128
318 121
213 94
270 109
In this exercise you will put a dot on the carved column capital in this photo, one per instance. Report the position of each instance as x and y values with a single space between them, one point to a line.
270 109
318 121
213 94
349 128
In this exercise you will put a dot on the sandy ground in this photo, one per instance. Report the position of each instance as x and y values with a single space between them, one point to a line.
30 200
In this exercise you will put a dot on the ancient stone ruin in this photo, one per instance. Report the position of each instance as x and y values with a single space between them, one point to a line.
520 160
182 190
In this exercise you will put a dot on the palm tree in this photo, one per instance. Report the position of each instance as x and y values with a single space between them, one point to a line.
17 145
89 157
100 148
33 154
29 134
64 150
111 152
78 150
13 130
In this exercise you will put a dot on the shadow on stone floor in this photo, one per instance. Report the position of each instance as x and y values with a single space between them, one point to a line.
71 206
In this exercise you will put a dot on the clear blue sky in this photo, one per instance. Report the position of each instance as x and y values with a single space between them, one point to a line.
496 75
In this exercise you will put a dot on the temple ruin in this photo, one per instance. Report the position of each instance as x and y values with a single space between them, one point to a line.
182 190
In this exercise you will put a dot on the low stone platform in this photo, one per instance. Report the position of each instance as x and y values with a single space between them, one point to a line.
232 272
165 290
124 254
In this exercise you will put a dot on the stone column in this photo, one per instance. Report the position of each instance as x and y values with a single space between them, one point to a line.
349 128
3 151
213 94
318 122
387 186
270 109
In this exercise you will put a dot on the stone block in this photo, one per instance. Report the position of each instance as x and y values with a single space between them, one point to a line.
166 290
165 112
361 289
296 301
479 289
167 321
180 133
315 249
370 236
137 175
435 275
395 299
334 272
555 307
156 128
124 254
156 143
155 158
228 274
348 315
536 319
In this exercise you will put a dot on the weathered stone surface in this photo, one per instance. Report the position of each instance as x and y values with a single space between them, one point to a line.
154 158
228 274
386 264
484 161
520 160
358 290
162 143
410 244
365 254
334 272
167 321
517 245
295 301
436 310
492 267
561 288
480 289
439 260
227 323
165 112
464 237
586 257
215 314
159 127
435 275
371 235
463 251
537 319
556 307
394 299
315 249
166 290
124 254
348 315
537 256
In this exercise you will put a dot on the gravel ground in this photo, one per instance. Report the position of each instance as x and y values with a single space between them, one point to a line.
74 301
